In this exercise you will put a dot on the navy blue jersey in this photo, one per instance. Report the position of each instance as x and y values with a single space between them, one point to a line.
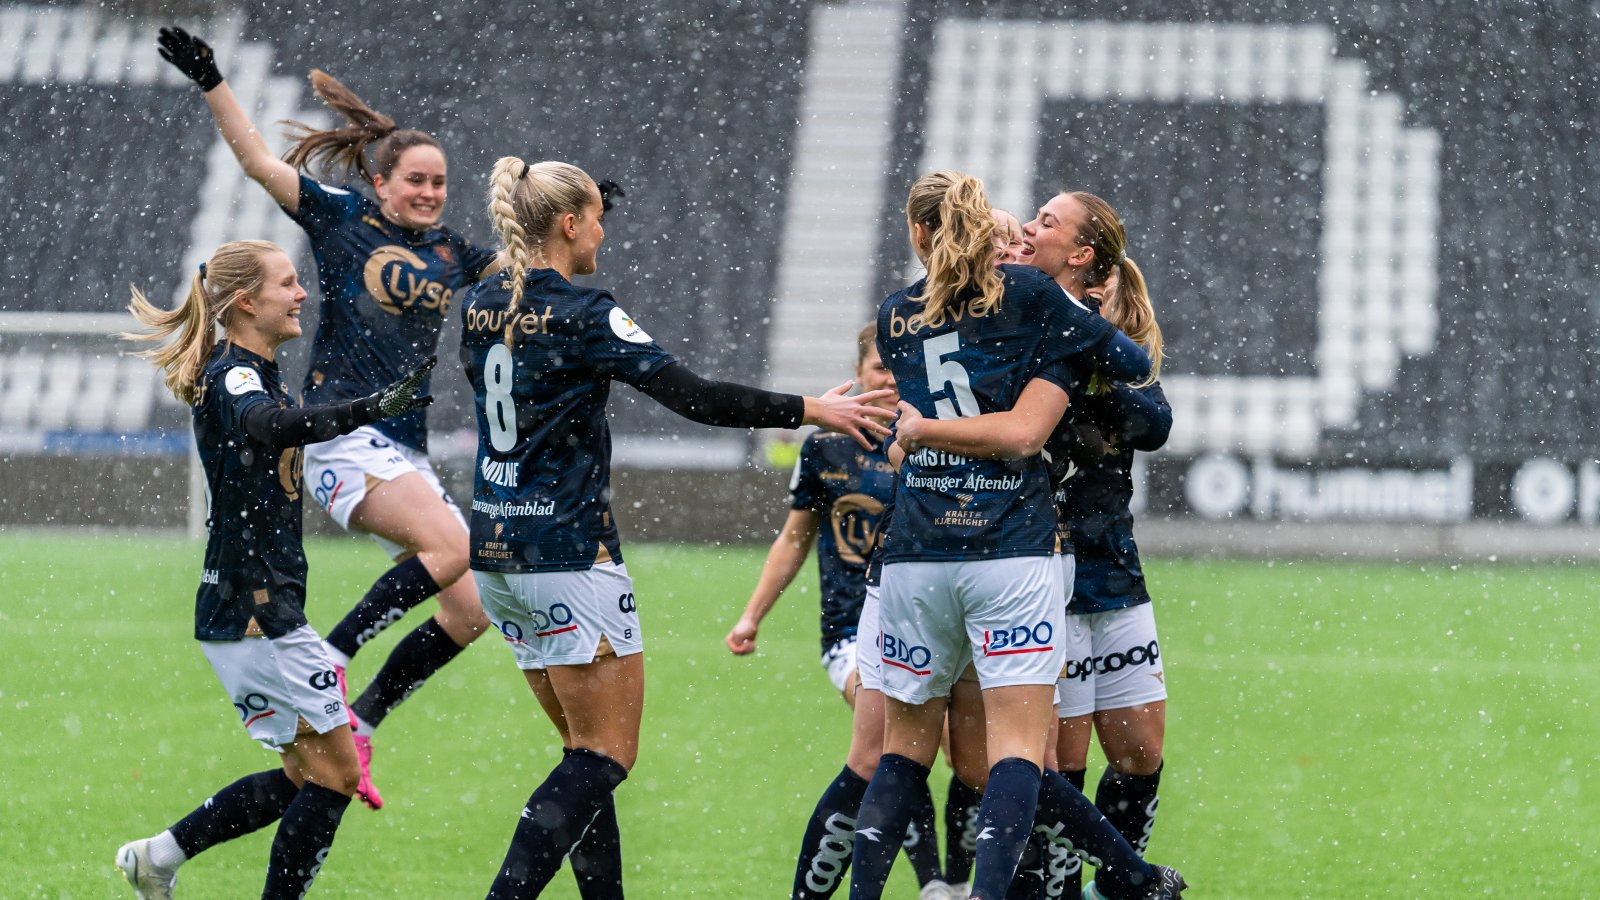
848 488
385 293
1094 501
540 376
255 570
951 507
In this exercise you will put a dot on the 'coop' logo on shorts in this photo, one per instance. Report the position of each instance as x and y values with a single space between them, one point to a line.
902 655
1021 639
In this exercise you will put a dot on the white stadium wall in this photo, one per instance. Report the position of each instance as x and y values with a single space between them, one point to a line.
1370 240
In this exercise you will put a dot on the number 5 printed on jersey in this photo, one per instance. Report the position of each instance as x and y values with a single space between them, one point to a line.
946 376
498 406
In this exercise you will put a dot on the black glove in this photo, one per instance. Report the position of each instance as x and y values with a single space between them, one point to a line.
191 55
1086 444
401 397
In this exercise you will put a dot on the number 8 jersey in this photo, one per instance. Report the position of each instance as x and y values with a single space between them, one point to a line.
950 507
541 375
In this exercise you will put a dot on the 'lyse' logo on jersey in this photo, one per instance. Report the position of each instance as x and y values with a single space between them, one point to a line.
914 658
397 279
1021 639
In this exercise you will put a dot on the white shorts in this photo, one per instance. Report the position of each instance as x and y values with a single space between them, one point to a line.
563 618
1003 615
1113 662
840 661
868 640
276 683
341 471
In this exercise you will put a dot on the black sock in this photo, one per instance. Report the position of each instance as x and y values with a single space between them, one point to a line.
390 597
251 803
1030 881
305 835
1129 801
597 857
885 812
418 655
960 830
922 840
1005 819
829 839
1067 817
1063 868
555 819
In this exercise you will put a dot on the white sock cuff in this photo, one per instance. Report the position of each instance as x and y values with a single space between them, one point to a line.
165 852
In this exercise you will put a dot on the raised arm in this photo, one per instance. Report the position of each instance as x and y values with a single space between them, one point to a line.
194 58
1017 433
784 560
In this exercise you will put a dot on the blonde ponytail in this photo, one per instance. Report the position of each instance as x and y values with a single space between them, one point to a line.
1133 313
235 270
961 226
1130 304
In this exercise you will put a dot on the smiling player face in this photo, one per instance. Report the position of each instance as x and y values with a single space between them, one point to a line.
1050 241
1008 239
276 305
412 196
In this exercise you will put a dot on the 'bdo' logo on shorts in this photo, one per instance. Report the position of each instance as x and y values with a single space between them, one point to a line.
1021 639
902 655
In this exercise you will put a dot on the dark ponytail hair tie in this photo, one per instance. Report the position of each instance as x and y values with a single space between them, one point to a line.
609 189
524 173
202 271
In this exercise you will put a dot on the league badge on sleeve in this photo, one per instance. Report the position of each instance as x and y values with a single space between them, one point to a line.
626 328
242 380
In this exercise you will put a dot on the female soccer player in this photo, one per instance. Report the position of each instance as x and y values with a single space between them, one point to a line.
389 273
970 566
1118 690
541 353
835 481
250 608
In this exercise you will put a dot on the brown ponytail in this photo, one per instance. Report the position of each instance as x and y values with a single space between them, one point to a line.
1130 305
234 270
961 254
344 148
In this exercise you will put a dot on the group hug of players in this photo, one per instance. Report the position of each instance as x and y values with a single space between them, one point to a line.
978 482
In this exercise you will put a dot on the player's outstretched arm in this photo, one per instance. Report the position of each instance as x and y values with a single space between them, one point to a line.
784 560
732 405
279 428
1017 433
853 414
193 57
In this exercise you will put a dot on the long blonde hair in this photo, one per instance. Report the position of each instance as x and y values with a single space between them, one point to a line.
954 209
235 270
1130 300
525 202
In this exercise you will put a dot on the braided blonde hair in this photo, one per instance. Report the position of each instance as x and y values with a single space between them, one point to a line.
961 256
235 270
525 202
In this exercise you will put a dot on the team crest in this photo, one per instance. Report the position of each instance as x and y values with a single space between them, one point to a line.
446 254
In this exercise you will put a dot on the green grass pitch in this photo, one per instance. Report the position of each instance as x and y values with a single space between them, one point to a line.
1334 731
